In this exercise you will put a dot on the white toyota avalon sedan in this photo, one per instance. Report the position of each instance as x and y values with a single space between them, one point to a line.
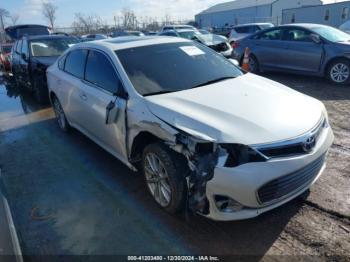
207 137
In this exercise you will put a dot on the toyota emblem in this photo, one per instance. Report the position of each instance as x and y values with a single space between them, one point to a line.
309 144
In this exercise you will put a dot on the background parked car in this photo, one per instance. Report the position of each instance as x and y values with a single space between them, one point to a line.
127 33
177 27
241 31
92 37
18 31
5 57
345 27
299 48
32 56
215 42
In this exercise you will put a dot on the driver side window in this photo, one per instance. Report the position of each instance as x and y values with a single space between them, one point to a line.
100 72
297 35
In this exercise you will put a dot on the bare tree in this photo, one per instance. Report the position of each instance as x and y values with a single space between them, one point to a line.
49 12
87 24
3 14
129 19
14 18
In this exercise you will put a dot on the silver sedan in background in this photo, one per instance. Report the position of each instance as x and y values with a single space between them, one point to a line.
310 49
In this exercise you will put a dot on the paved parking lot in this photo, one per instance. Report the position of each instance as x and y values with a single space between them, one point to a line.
68 196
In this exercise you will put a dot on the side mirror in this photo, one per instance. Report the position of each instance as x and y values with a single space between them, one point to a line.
315 38
234 61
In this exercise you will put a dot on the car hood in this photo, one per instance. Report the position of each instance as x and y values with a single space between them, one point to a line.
247 110
45 60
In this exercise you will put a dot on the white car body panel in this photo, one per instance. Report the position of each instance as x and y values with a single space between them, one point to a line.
248 110
233 118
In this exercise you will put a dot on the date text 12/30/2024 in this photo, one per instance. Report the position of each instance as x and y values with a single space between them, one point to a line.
173 258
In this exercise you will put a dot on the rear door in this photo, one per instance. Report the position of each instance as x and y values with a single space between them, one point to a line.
269 48
70 85
303 54
99 89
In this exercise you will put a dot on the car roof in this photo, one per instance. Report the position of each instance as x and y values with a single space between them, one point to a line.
185 30
251 24
305 25
178 25
25 26
42 37
125 42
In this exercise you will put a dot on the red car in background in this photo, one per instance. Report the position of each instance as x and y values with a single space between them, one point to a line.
5 53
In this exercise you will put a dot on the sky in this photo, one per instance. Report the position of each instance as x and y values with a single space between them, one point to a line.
29 11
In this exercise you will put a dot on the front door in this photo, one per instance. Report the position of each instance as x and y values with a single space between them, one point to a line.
99 89
302 54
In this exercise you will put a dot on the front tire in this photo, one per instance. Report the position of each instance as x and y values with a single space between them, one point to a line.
338 72
60 115
164 172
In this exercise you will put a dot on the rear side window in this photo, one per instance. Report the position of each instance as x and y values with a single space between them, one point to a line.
100 72
75 63
297 35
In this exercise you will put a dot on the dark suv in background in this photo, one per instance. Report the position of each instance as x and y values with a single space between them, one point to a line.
32 55
18 31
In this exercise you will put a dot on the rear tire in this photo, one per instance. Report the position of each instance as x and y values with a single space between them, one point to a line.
60 115
164 172
338 72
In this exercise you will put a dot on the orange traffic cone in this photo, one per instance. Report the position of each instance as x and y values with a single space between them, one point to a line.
245 64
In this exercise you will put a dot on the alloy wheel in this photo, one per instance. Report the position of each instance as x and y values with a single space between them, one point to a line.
340 73
61 118
157 179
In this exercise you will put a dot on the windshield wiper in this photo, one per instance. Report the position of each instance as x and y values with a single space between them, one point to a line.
214 81
160 92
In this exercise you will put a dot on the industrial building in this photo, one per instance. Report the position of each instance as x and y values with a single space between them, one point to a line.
248 11
330 14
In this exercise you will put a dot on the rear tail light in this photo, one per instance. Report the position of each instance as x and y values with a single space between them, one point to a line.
235 45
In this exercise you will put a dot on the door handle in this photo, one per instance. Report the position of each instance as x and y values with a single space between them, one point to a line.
83 96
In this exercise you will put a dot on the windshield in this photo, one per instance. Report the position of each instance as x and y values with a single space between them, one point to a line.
332 34
174 67
51 47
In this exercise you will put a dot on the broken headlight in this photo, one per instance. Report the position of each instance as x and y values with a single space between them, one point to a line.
241 154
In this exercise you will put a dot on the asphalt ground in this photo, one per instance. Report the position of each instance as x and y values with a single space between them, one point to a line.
70 197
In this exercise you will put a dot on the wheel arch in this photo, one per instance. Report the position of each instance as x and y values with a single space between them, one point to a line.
139 143
52 95
330 61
